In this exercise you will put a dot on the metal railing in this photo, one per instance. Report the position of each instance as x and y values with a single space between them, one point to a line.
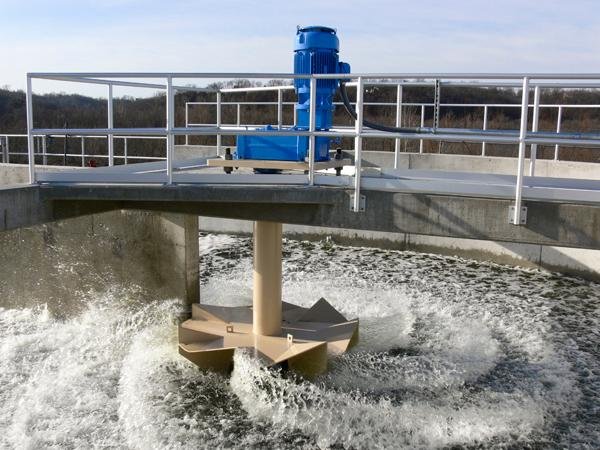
399 106
522 137
40 143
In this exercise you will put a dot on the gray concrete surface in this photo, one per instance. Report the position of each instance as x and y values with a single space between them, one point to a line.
443 162
470 227
576 261
11 174
44 260
478 164
150 255
555 224
196 151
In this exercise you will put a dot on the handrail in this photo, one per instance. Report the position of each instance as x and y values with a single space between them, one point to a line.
452 105
399 104
40 144
83 76
524 137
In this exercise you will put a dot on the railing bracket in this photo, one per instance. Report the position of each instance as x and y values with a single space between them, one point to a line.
522 216
362 203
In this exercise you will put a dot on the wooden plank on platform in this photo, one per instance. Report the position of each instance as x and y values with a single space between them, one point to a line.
280 165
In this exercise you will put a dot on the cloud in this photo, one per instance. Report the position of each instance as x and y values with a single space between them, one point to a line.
236 36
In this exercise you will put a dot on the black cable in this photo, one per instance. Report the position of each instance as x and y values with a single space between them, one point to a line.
375 126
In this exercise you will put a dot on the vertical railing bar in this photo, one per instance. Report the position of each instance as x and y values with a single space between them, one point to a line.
422 125
522 148
44 151
7 150
558 128
218 123
312 126
534 128
398 143
279 108
170 125
358 126
125 148
295 115
82 151
485 127
111 142
239 115
29 108
436 104
187 141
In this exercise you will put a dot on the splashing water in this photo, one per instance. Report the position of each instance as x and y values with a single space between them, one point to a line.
453 353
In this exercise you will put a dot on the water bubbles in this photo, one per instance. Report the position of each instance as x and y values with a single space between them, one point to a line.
452 353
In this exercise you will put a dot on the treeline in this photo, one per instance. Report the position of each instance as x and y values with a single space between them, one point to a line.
76 111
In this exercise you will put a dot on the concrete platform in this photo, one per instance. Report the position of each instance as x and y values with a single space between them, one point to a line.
561 212
465 184
560 235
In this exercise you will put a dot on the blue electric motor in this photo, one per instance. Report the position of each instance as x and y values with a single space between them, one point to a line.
315 51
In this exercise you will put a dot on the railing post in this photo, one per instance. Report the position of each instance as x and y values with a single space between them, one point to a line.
218 123
170 126
534 128
436 104
422 125
125 148
3 139
558 127
516 219
82 151
295 115
279 108
358 126
312 126
397 142
111 142
7 149
29 107
44 150
187 141
239 115
485 127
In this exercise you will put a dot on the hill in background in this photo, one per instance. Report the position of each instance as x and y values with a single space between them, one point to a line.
76 111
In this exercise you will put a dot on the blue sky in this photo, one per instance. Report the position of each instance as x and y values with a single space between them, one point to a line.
246 36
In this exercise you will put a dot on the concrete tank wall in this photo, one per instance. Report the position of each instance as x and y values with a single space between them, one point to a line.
154 255
479 164
581 262
571 261
151 254
19 173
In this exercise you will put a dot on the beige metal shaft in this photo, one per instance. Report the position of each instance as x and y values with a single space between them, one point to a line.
266 302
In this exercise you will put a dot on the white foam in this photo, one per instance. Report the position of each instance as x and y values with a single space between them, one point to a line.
352 420
451 353
59 378
212 242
